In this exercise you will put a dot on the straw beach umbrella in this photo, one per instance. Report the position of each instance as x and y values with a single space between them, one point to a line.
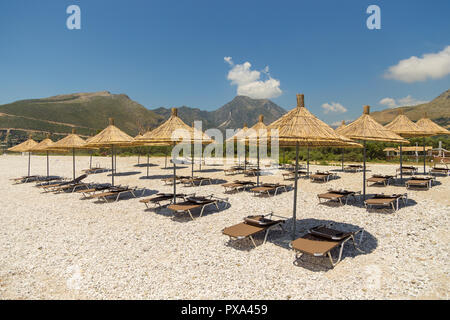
70 142
337 130
26 146
138 142
433 129
173 131
112 137
45 145
365 128
404 127
297 128
237 137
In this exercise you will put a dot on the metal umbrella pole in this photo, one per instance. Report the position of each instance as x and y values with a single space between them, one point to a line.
148 159
90 160
307 162
342 159
165 161
73 157
174 179
192 160
364 170
48 171
294 215
424 157
257 170
401 164
112 165
29 159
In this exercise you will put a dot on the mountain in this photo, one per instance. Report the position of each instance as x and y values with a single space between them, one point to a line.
437 110
232 115
86 112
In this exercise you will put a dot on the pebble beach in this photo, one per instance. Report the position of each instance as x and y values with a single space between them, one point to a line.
58 246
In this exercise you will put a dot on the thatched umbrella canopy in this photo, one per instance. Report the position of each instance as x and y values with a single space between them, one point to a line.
26 146
300 127
366 128
174 131
45 145
404 127
70 142
342 126
432 129
238 136
112 137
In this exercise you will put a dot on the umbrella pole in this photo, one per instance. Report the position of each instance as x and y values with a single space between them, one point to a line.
201 157
424 157
284 155
174 180
401 164
90 160
115 161
245 157
364 170
47 166
148 159
342 159
307 163
192 161
29 159
294 216
112 165
257 170
73 159
165 160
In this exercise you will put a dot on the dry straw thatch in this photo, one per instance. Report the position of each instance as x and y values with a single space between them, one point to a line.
46 145
26 146
366 128
299 126
174 130
72 141
430 127
110 136
404 127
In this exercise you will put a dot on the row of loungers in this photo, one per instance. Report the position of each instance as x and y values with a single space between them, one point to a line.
318 242
264 189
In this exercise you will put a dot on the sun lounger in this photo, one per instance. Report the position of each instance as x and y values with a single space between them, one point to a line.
177 179
321 240
268 188
94 189
115 192
253 225
53 186
353 168
380 179
237 185
161 198
407 170
420 182
440 170
392 201
192 182
291 175
72 187
233 170
95 170
25 179
341 196
252 172
322 176
193 203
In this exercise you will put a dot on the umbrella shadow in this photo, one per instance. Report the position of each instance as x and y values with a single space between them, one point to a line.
156 177
144 165
208 170
365 241
178 168
386 210
185 217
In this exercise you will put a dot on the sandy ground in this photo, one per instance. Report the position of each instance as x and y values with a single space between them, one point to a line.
57 246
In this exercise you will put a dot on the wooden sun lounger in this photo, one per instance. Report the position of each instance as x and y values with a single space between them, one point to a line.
407 170
322 176
94 189
440 170
177 179
191 182
338 195
321 240
386 200
233 170
54 186
193 203
353 168
115 192
291 175
95 170
237 185
25 179
253 225
71 187
380 179
267 188
162 197
252 172
422 182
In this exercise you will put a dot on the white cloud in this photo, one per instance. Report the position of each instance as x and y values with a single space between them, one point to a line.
333 107
429 66
406 101
249 82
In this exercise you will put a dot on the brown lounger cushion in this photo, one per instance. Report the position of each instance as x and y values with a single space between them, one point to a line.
312 245
260 221
242 230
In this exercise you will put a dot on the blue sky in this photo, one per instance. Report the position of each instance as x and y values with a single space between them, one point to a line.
171 53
